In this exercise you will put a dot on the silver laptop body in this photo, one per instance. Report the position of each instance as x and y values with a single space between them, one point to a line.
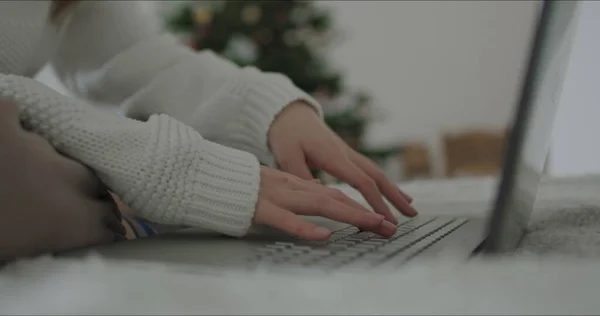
425 235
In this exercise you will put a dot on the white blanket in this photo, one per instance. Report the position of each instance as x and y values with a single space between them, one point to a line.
517 286
553 273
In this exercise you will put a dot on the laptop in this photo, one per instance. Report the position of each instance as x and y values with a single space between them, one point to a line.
499 231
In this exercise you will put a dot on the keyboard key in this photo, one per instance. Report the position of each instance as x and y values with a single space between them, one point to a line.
363 247
319 252
311 243
346 242
352 248
351 230
403 240
302 248
266 250
363 235
336 237
379 240
347 254
353 239
386 251
422 244
276 247
292 252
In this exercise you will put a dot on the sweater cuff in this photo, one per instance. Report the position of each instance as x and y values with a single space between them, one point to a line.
224 190
220 184
266 96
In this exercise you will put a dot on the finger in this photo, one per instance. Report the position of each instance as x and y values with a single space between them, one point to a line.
315 204
389 190
73 172
407 197
123 208
338 195
109 215
92 224
282 219
106 212
295 163
84 178
115 217
345 170
373 170
282 179
316 186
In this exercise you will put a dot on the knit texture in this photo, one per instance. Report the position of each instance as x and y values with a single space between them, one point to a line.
131 61
161 167
157 161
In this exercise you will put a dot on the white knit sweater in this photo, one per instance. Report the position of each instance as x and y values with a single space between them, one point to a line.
116 52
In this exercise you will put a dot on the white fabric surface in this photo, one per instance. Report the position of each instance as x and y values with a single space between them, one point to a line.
553 273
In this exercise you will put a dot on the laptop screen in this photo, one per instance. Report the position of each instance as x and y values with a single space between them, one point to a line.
532 127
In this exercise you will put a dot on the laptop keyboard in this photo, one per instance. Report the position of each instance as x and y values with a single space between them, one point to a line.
351 248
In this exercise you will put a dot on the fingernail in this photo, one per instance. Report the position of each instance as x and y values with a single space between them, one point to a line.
322 232
389 226
378 216
392 219
413 211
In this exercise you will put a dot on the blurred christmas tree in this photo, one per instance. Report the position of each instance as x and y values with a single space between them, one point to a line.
289 37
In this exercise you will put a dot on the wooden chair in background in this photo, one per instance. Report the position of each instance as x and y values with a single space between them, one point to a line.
474 153
416 161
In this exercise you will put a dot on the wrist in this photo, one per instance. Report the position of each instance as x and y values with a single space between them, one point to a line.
298 106
292 111
295 110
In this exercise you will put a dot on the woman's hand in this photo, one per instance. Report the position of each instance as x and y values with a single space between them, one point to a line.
49 202
300 140
283 196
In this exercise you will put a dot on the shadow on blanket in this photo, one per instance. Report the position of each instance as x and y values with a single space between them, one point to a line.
572 230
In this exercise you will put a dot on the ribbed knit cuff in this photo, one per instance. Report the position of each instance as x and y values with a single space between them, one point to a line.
266 96
219 187
224 191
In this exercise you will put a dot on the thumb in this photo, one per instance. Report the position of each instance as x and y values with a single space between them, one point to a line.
294 162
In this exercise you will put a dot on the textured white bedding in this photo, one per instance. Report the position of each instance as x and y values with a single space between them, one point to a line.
555 272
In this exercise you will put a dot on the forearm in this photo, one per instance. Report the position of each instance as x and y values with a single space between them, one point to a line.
161 167
150 72
234 108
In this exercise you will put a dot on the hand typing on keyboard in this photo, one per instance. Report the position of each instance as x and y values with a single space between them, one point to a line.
299 140
354 249
283 196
